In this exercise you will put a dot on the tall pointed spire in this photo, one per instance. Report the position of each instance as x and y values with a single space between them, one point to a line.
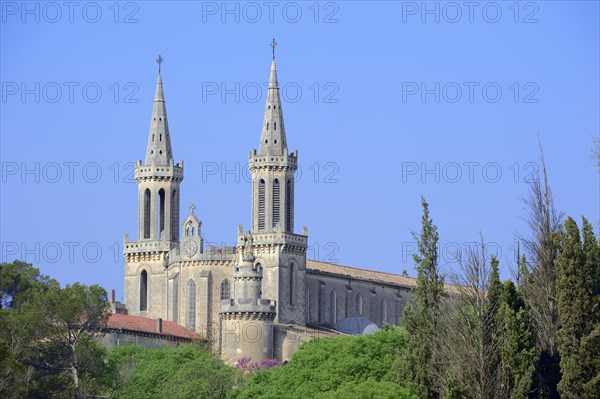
159 141
272 140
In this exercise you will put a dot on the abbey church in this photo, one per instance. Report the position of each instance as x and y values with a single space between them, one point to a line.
261 298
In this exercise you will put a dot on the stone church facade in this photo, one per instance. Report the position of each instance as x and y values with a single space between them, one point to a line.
261 298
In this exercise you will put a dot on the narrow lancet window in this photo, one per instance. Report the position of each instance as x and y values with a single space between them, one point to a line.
143 291
261 204
288 207
225 290
359 305
147 213
291 289
161 212
276 202
332 307
190 317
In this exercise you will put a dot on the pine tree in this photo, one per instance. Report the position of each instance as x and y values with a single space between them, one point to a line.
575 310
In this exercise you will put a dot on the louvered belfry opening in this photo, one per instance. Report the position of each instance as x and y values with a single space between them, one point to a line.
261 205
276 202
288 207
146 213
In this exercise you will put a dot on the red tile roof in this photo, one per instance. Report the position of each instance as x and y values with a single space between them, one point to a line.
146 325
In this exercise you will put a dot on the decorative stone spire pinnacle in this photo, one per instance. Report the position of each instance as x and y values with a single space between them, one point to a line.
159 140
272 140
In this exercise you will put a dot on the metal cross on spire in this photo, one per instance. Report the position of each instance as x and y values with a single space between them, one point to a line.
159 61
273 44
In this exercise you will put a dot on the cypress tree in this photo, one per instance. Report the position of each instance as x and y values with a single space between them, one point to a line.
518 345
575 310
590 344
591 250
421 318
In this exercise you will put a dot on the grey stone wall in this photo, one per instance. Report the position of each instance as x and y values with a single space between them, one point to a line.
246 337
118 338
331 298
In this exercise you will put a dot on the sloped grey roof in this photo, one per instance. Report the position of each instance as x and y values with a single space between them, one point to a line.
356 325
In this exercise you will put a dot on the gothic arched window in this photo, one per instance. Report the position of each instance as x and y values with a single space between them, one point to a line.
190 308
143 291
288 206
332 307
307 305
225 290
359 305
291 288
161 212
261 204
276 202
176 300
147 213
320 302
174 221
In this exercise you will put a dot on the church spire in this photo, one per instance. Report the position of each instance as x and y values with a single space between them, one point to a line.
272 140
159 141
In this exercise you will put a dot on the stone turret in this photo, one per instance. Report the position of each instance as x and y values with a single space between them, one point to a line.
280 251
247 318
158 180
272 169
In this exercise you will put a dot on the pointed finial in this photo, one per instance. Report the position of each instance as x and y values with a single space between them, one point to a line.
192 207
159 61
273 44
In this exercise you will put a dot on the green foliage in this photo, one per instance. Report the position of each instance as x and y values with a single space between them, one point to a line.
591 249
578 283
590 345
575 277
17 280
184 372
13 374
517 341
430 284
456 390
48 332
421 319
341 367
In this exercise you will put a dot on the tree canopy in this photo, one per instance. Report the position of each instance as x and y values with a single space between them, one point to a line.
184 372
342 367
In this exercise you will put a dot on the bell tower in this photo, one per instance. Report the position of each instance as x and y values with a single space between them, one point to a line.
158 180
280 251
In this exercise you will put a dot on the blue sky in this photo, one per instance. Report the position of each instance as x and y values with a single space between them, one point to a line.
385 101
